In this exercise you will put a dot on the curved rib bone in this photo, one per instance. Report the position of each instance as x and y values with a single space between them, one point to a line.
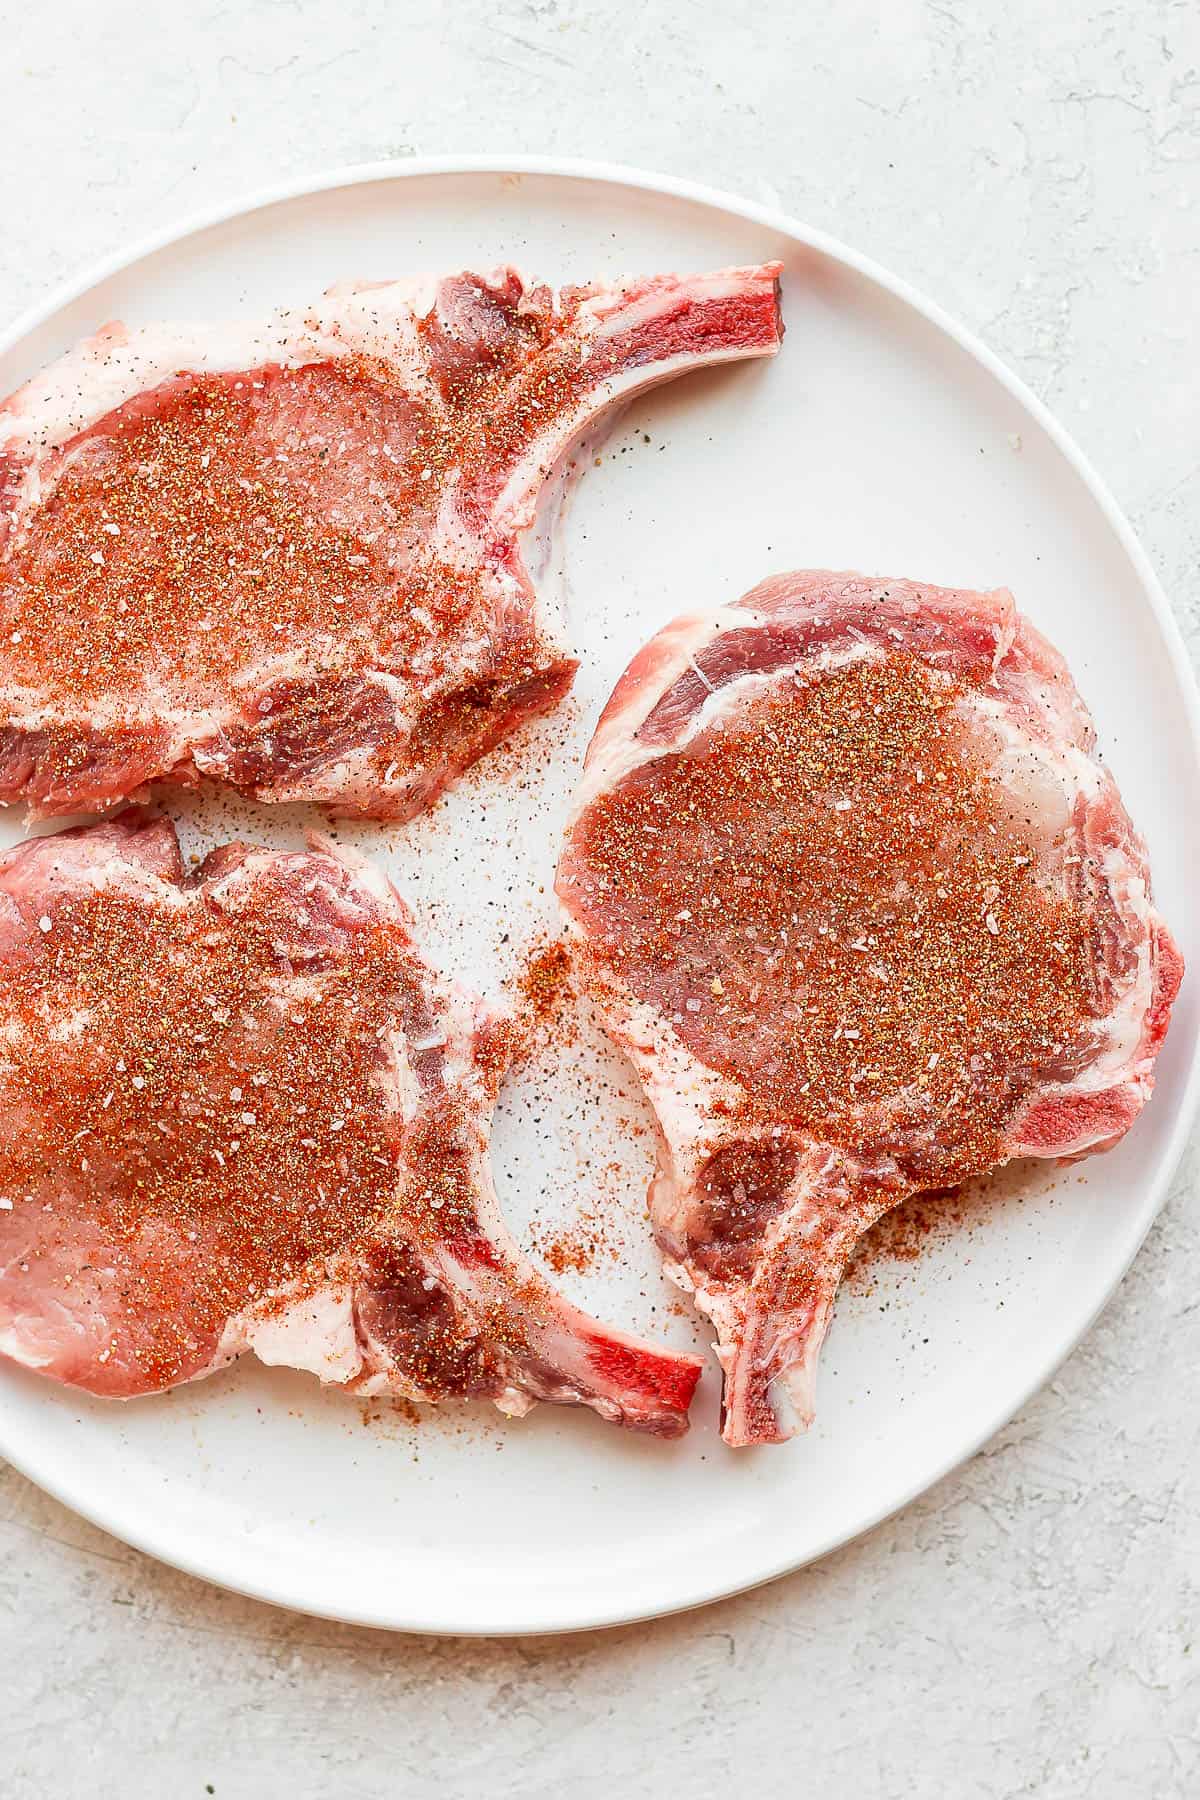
287 554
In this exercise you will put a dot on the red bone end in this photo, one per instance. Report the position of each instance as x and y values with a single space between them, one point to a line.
670 1378
1068 1124
740 322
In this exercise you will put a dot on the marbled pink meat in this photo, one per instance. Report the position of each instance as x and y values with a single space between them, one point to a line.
288 555
852 889
239 1112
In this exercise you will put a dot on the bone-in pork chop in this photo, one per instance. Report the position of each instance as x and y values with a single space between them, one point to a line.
288 555
238 1111
853 891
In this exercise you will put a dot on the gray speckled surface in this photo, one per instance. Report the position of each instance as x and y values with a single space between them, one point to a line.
1030 1626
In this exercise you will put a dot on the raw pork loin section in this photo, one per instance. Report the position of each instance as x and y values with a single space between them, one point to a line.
288 556
239 1112
854 893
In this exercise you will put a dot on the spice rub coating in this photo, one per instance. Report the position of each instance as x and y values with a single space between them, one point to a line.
850 885
288 557
240 1112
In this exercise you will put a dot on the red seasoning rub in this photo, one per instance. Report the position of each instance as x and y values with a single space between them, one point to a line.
836 903
544 982
240 1112
852 889
288 556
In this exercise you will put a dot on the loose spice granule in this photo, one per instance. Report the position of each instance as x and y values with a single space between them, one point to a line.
544 981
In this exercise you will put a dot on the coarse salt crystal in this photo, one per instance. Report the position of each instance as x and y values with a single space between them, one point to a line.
45 922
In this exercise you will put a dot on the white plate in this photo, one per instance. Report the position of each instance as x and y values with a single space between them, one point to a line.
882 438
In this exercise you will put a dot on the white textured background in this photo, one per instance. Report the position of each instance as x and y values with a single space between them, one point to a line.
1030 1627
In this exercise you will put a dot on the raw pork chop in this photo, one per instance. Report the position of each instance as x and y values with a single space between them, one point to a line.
869 917
240 1113
287 555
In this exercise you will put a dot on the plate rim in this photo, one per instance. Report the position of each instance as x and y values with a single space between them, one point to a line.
278 1593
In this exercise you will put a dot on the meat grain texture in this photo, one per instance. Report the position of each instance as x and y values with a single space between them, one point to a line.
239 1112
288 555
852 889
